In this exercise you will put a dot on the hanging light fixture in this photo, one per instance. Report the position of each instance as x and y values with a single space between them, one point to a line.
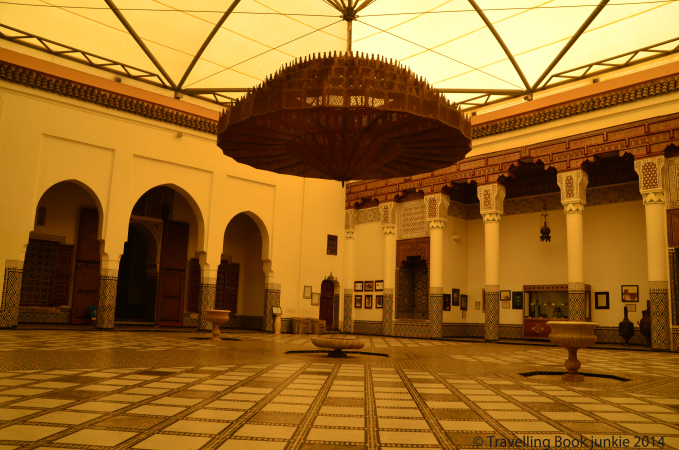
544 231
343 117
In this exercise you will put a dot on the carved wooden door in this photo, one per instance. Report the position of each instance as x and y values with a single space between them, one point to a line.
232 272
61 287
326 309
194 286
172 276
86 284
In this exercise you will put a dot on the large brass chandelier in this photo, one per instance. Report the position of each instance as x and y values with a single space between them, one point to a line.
345 116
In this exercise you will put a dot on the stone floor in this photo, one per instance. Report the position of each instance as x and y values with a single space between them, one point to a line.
146 390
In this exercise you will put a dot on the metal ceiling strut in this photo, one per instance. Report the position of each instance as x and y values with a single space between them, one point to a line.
492 29
572 41
214 31
141 44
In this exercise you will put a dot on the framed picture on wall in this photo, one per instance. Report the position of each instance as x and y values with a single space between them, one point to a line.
630 292
463 302
379 285
631 308
316 298
456 297
307 291
378 301
506 305
358 301
517 300
368 286
464 314
477 305
446 302
505 296
358 286
368 301
601 300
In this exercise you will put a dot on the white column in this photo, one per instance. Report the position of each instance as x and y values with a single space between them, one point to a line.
491 198
349 263
651 188
436 207
573 187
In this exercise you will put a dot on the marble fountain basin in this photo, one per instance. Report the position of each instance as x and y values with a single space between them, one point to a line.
337 344
572 336
217 317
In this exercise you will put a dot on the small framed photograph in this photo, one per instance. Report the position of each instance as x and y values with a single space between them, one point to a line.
368 301
464 314
358 286
631 308
358 301
477 305
379 301
505 296
446 302
463 302
601 300
456 297
517 300
368 286
276 310
630 292
307 291
379 285
316 298
506 305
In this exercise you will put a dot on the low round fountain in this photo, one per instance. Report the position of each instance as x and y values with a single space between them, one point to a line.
337 345
573 336
216 317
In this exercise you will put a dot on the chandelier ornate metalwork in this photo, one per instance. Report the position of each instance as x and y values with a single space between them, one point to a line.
345 117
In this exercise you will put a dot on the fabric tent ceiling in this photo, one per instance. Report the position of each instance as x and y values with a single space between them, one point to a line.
447 42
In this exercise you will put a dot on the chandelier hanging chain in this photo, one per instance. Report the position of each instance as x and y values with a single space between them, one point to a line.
349 12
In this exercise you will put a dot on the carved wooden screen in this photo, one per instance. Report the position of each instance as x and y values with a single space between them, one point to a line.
172 276
194 286
38 275
61 286
86 284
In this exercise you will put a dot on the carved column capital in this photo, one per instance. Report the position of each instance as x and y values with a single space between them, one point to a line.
350 220
349 234
651 178
437 224
573 185
388 229
436 207
491 197
387 211
491 217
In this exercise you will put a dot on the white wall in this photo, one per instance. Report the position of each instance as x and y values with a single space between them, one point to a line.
46 139
369 265
455 257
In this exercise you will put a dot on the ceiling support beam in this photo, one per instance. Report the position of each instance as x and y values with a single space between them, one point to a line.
572 41
492 29
141 44
482 91
214 31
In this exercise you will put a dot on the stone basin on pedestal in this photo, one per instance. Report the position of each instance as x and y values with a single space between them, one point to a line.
337 345
216 317
573 336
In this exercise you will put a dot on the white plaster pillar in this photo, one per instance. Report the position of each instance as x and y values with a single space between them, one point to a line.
491 198
573 187
436 209
349 264
387 213
651 188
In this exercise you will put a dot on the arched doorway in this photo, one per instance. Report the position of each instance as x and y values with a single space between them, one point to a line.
240 277
412 295
326 310
61 266
153 286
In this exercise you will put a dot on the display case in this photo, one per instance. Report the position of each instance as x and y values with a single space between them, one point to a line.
547 302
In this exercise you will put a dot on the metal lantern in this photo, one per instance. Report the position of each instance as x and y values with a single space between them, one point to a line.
544 231
345 117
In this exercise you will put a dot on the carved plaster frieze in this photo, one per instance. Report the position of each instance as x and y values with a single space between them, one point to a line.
491 198
388 229
491 217
574 207
438 223
653 197
412 221
436 206
671 181
349 234
350 219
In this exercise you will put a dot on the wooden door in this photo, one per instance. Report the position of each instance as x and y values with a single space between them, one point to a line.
172 276
232 272
326 310
86 284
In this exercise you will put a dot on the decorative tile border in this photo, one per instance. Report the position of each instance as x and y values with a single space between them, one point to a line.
62 316
272 297
368 215
406 328
371 327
